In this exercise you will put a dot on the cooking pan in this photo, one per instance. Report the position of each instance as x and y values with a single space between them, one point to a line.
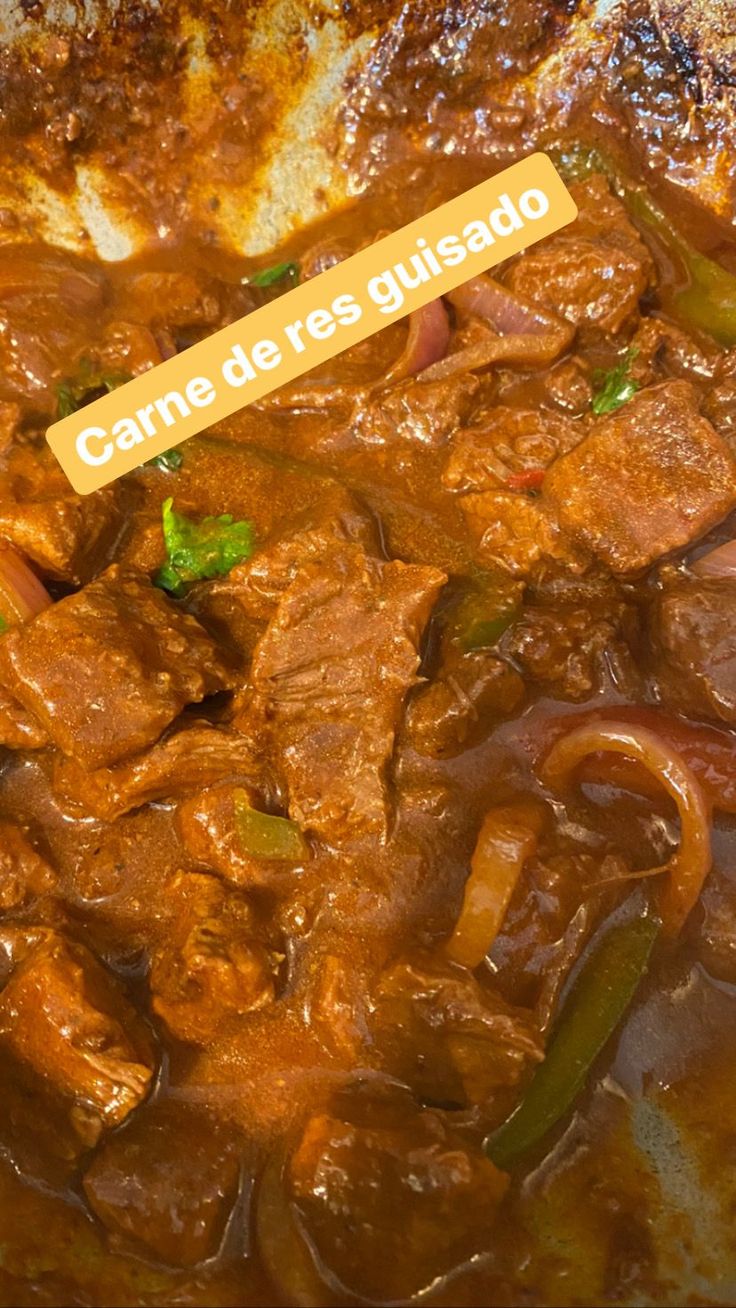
306 80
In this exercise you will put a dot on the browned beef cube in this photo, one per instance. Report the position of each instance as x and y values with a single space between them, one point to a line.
517 532
423 412
197 755
211 966
66 1023
595 270
507 447
573 649
65 534
107 669
207 823
18 728
414 1200
330 676
693 626
450 1039
24 873
168 1182
457 709
650 478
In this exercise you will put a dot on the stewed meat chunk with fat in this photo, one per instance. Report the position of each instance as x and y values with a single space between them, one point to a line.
649 479
693 623
107 669
168 1181
593 272
415 1201
330 677
68 1026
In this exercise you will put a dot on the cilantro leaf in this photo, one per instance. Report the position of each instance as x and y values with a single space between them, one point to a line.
87 386
169 461
3 624
278 273
616 386
198 550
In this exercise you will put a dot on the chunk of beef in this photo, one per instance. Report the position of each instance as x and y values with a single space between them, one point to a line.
207 823
423 412
317 531
457 709
716 934
197 755
518 532
179 299
24 874
66 1023
168 1182
49 310
648 479
556 904
573 650
330 676
660 349
65 534
508 448
415 1200
693 630
211 966
594 271
18 729
106 670
444 1035
568 387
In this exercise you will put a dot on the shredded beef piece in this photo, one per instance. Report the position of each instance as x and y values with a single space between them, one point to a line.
518 532
106 670
330 676
648 479
196 755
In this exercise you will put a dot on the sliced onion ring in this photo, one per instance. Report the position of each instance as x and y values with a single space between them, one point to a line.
689 866
22 595
507 838
720 562
427 342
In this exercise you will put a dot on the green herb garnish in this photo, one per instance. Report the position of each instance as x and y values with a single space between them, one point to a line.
280 272
3 624
198 550
87 386
169 461
616 386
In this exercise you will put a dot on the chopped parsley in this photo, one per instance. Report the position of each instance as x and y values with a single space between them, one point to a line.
615 387
169 461
87 386
280 272
3 624
198 550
